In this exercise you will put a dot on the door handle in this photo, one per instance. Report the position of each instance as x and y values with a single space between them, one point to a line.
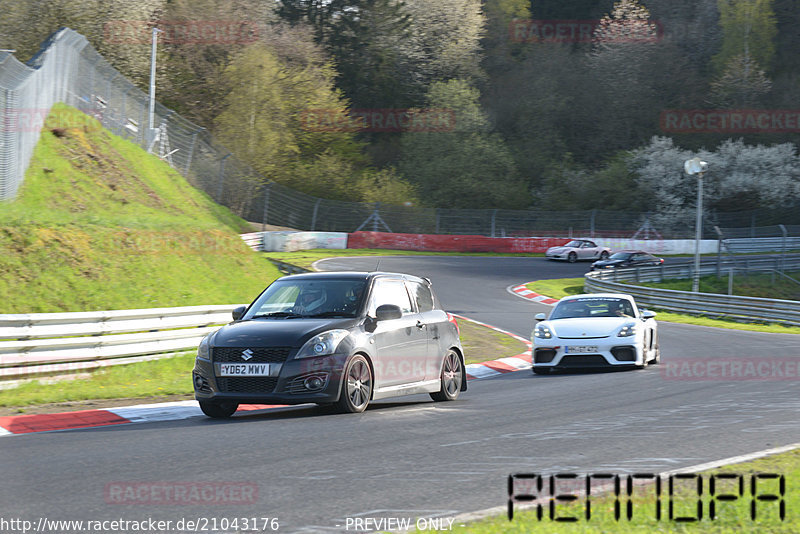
420 325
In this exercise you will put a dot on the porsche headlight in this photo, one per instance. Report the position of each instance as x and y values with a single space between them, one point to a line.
323 344
627 330
542 332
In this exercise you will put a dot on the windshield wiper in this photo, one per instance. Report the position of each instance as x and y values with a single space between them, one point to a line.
330 314
283 314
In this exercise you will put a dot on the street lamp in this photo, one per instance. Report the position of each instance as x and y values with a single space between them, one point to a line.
696 166
151 125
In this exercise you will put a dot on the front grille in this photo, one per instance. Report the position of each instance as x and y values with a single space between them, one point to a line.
259 355
543 355
241 384
624 354
583 360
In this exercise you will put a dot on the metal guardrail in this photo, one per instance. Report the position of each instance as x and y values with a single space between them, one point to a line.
712 304
41 344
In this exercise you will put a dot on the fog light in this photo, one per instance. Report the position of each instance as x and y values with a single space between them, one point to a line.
313 383
198 382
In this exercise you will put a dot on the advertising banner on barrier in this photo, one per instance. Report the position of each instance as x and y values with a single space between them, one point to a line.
452 243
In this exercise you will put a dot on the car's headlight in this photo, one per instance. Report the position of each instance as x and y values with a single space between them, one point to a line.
627 330
322 344
203 350
542 332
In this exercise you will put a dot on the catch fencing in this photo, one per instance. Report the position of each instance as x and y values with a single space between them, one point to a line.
68 69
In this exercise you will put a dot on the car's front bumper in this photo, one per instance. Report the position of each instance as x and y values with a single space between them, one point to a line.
286 385
610 352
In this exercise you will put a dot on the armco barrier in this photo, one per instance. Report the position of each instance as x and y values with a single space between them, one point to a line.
290 241
452 243
40 344
712 304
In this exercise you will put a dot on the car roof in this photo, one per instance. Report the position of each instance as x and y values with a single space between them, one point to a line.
354 275
633 250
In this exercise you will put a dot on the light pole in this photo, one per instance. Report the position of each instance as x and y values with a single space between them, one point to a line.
151 125
696 166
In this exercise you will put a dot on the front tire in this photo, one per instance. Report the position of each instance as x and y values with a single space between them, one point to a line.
357 386
572 257
541 371
219 410
451 378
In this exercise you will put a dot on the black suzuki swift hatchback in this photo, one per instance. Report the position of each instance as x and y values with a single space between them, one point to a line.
340 339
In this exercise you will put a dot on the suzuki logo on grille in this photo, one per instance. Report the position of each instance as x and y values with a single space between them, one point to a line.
246 355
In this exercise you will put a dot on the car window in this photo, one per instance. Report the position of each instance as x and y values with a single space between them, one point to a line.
593 307
620 256
589 244
422 295
573 244
308 297
390 292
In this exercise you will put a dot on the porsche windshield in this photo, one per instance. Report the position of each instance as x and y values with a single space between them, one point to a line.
309 298
593 307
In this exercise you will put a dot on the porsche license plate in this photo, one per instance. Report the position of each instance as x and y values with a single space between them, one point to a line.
244 369
584 349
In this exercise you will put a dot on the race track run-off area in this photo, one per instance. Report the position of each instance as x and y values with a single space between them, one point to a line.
410 457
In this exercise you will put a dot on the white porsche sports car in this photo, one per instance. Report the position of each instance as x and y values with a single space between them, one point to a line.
595 330
578 249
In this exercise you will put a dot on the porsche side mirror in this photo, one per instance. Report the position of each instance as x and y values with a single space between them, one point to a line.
540 317
647 314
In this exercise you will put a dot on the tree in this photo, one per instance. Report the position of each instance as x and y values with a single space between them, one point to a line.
264 112
468 167
742 84
739 177
749 28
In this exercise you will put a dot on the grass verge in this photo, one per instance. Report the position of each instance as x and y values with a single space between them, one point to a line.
562 287
730 516
306 258
101 224
172 376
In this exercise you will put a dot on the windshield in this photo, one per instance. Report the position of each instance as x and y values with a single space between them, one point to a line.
593 307
287 299
574 244
621 255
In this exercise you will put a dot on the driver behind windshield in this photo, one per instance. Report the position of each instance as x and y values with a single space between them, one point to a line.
310 301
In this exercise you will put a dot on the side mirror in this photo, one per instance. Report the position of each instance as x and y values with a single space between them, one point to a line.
647 314
540 317
386 312
238 312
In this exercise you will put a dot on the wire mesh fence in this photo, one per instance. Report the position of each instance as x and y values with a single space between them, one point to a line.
68 69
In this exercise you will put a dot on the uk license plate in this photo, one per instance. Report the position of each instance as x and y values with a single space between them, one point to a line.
244 369
583 349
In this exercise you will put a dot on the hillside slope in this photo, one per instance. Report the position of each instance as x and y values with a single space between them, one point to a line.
101 224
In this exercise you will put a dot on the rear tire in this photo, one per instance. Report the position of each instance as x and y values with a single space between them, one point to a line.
219 410
450 379
604 255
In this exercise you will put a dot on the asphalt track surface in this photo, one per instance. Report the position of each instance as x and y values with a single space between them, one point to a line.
409 457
